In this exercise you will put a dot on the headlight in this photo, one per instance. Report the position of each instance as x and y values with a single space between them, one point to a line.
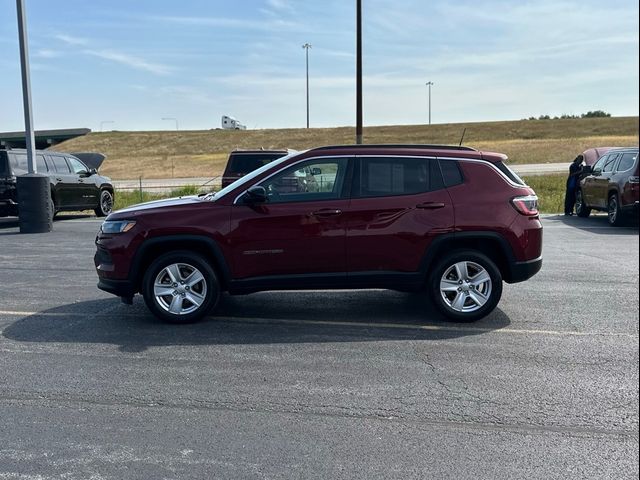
117 226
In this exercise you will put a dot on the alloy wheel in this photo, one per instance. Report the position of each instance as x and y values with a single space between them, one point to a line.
465 286
613 209
180 289
106 202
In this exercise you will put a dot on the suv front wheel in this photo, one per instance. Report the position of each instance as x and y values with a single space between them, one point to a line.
466 285
180 287
581 209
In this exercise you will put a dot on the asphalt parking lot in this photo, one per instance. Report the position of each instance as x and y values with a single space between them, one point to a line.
369 384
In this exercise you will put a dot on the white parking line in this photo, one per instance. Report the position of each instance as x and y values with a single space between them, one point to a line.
398 326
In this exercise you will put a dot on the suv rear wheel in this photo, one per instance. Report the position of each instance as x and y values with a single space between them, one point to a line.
466 285
180 287
581 209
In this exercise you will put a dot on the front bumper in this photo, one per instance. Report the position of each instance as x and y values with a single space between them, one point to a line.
121 288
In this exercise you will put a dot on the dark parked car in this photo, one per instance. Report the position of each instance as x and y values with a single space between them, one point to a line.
241 162
451 221
611 185
75 182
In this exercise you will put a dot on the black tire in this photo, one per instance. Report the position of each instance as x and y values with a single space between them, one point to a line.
614 212
105 203
52 208
187 262
445 301
581 208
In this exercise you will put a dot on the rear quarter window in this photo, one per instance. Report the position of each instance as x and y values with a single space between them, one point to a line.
511 175
5 171
451 173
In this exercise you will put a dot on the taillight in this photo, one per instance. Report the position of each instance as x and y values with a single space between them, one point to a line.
527 205
634 179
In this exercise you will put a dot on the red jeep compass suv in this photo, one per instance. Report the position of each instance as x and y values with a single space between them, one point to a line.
453 221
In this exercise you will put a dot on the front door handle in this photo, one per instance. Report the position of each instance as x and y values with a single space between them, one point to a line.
430 205
326 212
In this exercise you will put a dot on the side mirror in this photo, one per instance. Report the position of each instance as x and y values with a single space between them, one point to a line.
587 169
84 174
316 171
255 194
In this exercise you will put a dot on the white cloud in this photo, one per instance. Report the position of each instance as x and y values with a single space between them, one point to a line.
71 40
130 61
224 22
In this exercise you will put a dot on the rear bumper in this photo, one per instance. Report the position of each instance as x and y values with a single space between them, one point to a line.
521 271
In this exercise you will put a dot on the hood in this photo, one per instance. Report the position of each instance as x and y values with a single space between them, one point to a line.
91 159
592 155
166 202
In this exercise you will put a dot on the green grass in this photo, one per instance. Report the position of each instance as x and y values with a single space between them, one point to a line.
550 190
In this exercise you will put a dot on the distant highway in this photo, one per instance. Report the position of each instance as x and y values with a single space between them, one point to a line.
163 185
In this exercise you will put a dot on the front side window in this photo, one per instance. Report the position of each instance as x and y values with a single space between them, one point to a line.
383 177
76 165
627 161
60 164
307 182
597 167
608 165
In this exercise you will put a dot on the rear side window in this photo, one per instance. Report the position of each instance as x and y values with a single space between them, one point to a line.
451 173
627 161
245 163
511 175
383 177
60 164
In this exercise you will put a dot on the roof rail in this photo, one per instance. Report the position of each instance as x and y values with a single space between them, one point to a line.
400 145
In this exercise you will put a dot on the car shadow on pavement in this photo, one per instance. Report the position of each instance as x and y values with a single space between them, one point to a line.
594 224
265 318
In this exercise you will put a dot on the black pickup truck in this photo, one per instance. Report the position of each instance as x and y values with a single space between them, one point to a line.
75 182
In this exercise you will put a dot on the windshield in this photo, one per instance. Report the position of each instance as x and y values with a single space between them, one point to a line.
247 178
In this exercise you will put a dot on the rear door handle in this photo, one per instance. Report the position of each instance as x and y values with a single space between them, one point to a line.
326 212
430 205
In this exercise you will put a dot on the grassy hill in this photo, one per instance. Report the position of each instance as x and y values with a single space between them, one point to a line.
203 153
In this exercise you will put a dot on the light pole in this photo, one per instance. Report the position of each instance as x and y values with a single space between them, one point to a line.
359 72
428 84
33 189
307 46
172 118
103 122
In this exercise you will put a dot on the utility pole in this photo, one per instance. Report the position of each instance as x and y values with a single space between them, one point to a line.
172 118
358 72
428 84
33 189
307 46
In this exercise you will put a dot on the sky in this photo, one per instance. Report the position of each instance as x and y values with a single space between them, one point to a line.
126 65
